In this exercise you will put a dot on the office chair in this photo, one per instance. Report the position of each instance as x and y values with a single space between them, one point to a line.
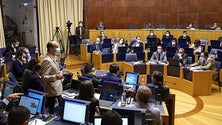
203 42
176 26
162 26
216 75
132 26
130 57
215 43
85 41
189 59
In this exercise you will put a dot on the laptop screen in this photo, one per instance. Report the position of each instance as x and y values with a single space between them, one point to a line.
131 78
75 111
8 89
100 73
37 96
30 103
98 120
108 95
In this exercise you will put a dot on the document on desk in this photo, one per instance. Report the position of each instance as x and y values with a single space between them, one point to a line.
196 68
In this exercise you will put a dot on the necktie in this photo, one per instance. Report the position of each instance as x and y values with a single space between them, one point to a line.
159 56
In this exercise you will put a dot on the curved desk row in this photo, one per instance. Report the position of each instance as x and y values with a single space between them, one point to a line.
128 33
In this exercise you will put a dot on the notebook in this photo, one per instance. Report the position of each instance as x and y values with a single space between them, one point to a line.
30 103
107 97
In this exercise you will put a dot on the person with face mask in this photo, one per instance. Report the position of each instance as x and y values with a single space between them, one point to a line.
13 47
181 56
205 62
151 35
100 26
138 42
97 46
215 27
159 56
167 35
173 43
102 36
52 77
184 38
27 53
80 34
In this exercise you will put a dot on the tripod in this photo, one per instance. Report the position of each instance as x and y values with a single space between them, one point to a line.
58 35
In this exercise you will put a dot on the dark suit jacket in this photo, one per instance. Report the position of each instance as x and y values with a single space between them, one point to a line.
170 45
149 36
78 35
187 38
182 60
95 80
97 47
3 117
18 69
31 80
155 56
111 77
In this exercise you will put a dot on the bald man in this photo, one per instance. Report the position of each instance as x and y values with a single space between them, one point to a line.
52 76
142 96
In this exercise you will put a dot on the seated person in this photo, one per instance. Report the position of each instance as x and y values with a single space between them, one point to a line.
19 65
97 46
111 118
13 47
120 43
159 56
205 62
173 43
215 27
167 35
157 79
196 47
181 56
185 37
102 36
3 105
143 95
151 35
88 69
112 75
27 54
190 26
18 115
86 92
100 26
138 42
148 26
31 77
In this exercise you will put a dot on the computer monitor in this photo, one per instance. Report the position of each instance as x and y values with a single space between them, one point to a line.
136 116
76 111
109 85
98 120
131 78
8 89
38 95
30 103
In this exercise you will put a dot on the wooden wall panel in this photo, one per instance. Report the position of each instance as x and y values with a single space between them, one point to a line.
119 14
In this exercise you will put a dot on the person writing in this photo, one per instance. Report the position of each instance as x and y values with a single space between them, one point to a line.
205 62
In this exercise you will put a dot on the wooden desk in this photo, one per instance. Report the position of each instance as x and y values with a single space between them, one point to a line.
84 55
128 33
198 83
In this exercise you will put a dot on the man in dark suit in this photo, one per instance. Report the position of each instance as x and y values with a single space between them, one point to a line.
102 36
173 43
112 75
32 78
3 105
185 37
80 34
97 46
159 56
181 56
13 47
151 35
167 35
138 42
205 62
19 65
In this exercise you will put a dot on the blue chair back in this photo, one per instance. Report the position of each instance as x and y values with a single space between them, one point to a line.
215 43
85 41
107 42
217 66
188 51
120 56
140 55
132 26
108 57
131 57
122 49
176 26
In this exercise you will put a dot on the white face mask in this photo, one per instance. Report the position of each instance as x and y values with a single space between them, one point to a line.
97 42
159 50
151 34
167 34
58 51
173 43
121 41
184 34
16 45
80 24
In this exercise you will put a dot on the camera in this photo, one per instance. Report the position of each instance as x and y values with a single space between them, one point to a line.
68 24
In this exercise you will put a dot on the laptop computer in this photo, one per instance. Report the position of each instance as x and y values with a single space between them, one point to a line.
107 97
100 73
131 80
30 103
98 120
8 89
174 62
74 90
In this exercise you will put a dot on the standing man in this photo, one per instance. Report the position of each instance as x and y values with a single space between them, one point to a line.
80 34
52 76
